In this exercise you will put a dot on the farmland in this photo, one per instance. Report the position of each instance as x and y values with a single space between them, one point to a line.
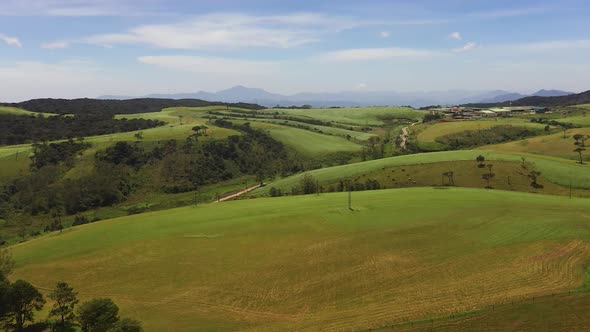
334 269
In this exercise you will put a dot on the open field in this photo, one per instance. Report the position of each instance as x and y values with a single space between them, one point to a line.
19 111
306 142
430 132
371 116
548 313
555 170
583 121
308 263
550 145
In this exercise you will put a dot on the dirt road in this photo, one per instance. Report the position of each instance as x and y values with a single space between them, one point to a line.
238 194
404 136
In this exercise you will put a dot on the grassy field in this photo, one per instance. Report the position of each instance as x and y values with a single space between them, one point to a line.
19 111
306 142
308 263
549 313
430 132
556 170
550 145
366 116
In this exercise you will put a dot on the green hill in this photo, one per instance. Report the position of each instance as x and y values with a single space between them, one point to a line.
309 263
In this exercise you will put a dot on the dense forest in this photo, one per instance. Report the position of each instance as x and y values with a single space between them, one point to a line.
19 129
99 106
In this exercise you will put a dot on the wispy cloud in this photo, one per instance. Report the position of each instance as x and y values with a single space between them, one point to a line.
12 41
55 45
466 48
213 65
230 31
456 36
369 54
553 45
385 34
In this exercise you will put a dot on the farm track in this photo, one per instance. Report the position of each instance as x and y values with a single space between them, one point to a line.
405 135
238 194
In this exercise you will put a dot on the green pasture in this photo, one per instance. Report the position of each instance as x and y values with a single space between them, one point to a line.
20 111
556 170
309 263
362 116
431 132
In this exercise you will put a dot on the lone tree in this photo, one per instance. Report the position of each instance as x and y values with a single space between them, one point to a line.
578 137
65 300
579 150
23 299
488 176
480 161
450 176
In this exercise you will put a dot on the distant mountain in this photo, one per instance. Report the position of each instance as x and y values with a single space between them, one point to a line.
571 99
515 96
349 98
551 93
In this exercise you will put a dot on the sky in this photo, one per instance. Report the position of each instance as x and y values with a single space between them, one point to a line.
88 48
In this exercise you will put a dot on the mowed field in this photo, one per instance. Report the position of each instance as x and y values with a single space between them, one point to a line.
309 263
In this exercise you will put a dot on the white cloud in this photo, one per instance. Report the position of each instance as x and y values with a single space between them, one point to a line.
385 34
12 41
55 45
466 48
456 36
361 86
230 31
369 54
211 65
553 45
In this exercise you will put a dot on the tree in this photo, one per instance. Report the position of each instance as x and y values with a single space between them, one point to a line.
579 151
98 315
127 325
578 137
6 262
308 184
65 300
23 299
480 161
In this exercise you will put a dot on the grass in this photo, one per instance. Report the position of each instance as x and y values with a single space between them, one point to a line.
548 313
433 131
550 145
365 116
20 111
306 142
308 263
555 170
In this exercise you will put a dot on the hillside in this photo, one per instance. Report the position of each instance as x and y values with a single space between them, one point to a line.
112 107
574 99
309 263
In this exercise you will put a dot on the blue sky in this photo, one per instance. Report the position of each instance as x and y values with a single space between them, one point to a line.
86 48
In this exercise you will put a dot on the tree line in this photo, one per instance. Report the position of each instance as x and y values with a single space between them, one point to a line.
86 106
21 302
19 129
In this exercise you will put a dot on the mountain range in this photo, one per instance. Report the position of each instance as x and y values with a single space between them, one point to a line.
352 98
